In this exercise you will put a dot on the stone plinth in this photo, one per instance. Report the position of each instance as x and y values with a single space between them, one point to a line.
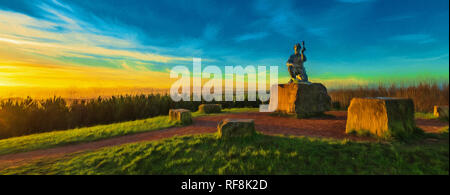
302 99
381 117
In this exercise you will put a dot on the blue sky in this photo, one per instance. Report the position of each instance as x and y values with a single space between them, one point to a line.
353 40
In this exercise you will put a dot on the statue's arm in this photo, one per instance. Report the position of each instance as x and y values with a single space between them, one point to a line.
303 52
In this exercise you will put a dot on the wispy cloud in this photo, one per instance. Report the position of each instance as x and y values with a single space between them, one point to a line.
62 34
421 59
56 2
287 19
418 38
279 17
251 36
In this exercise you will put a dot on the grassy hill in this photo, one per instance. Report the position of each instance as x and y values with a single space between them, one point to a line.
261 154
206 154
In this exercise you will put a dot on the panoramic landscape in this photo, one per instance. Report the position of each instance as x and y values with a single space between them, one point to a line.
336 87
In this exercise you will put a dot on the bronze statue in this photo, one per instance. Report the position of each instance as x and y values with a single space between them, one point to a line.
295 65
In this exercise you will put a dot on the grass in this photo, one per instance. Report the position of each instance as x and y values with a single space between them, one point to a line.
58 138
425 115
260 154
87 134
226 111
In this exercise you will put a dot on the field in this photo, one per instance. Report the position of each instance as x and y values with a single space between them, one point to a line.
88 134
195 149
262 154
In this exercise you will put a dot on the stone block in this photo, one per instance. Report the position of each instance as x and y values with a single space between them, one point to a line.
381 117
210 108
236 128
182 115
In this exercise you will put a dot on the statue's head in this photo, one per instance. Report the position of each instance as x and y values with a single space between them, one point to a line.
297 48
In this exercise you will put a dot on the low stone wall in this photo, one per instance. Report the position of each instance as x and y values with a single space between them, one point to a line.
182 115
236 128
381 117
210 108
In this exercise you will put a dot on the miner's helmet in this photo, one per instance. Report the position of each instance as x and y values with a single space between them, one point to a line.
297 46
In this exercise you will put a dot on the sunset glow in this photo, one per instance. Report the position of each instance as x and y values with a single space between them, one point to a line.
65 44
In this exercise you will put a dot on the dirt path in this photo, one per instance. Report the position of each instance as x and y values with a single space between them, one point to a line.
328 127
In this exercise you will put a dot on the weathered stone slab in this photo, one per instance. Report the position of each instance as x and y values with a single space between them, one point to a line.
302 99
441 112
236 128
182 115
381 117
210 108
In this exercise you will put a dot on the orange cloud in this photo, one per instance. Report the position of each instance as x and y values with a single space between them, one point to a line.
57 76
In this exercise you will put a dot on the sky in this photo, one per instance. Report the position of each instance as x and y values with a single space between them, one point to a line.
135 43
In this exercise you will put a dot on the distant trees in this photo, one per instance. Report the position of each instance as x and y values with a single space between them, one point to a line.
424 95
